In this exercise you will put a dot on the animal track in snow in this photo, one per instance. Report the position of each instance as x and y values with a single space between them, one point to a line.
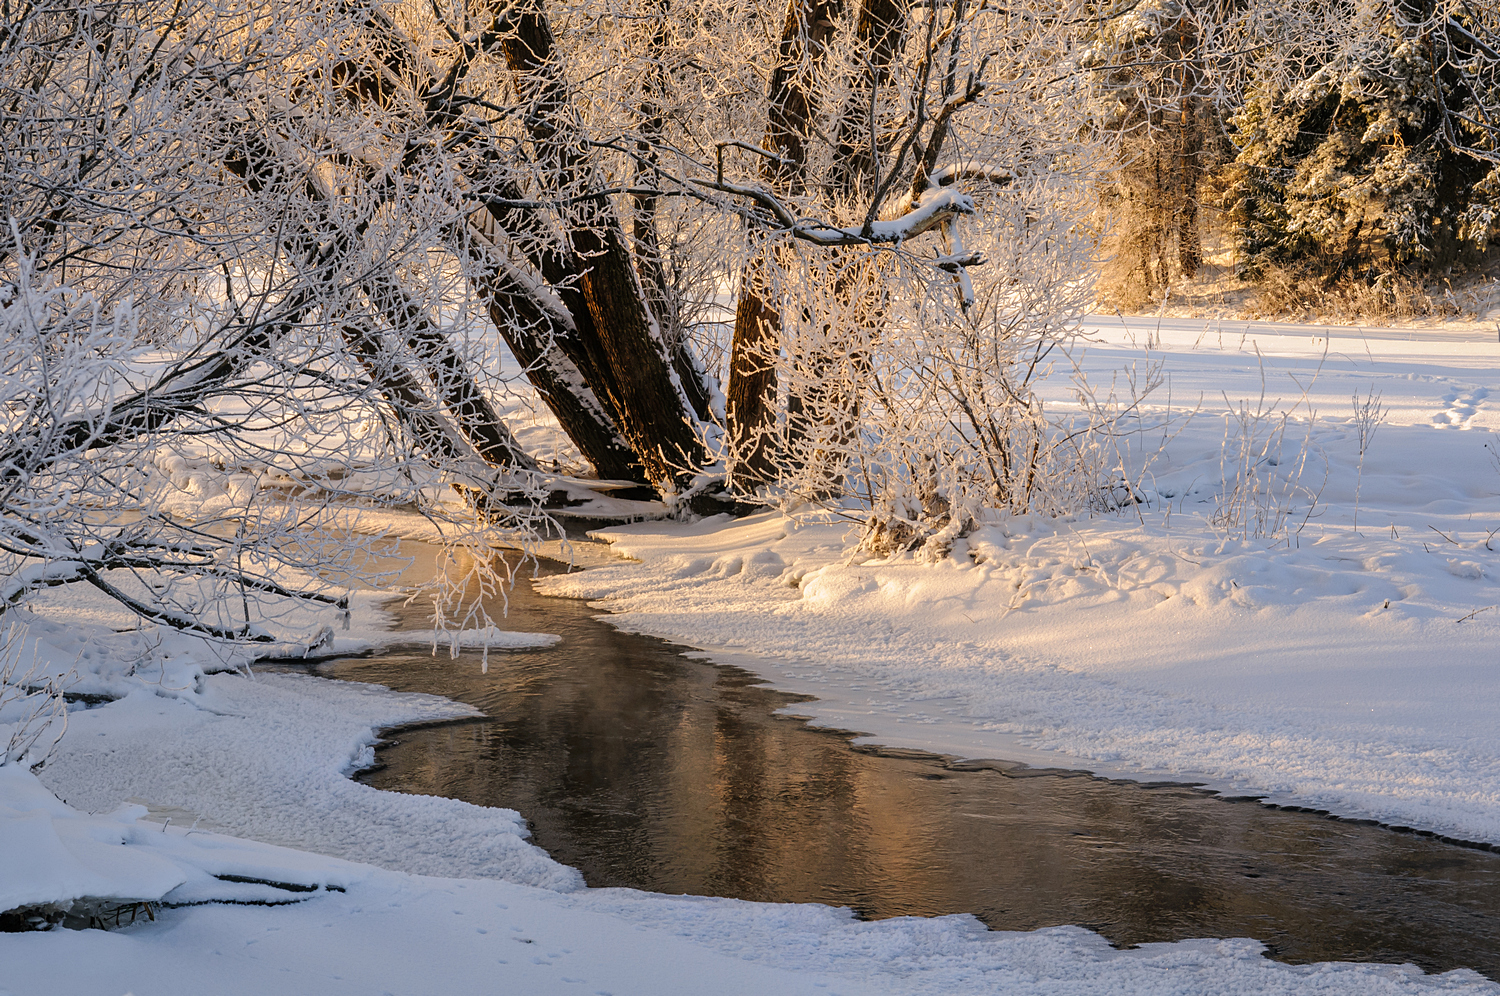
1463 404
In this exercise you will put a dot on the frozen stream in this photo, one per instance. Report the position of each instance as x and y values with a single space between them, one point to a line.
648 769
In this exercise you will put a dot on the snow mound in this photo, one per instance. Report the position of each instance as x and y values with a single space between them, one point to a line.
57 856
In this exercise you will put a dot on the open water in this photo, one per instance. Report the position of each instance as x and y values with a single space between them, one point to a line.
645 768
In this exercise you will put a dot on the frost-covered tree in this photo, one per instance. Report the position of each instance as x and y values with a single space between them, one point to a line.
196 324
295 243
1365 167
1159 98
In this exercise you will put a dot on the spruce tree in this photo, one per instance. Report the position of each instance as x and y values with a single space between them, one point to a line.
1349 174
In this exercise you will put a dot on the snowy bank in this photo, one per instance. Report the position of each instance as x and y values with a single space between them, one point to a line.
268 757
186 726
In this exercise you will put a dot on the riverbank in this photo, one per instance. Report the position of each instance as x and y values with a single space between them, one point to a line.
1349 669
1346 662
268 758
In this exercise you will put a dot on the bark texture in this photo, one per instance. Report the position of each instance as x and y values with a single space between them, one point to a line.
805 35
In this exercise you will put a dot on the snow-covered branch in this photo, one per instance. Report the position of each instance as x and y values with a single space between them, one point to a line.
932 209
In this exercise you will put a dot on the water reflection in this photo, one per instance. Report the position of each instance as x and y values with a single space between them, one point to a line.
647 769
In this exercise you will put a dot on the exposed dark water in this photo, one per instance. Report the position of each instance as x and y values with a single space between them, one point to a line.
644 768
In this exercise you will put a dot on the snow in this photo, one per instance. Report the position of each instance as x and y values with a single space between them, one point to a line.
269 760
331 926
100 648
1352 672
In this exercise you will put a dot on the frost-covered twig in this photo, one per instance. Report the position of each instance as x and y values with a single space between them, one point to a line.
1368 414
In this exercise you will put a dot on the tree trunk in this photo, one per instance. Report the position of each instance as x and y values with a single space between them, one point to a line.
881 31
537 339
824 412
257 166
752 381
449 373
655 417
525 229
416 413
805 36
1190 171
561 355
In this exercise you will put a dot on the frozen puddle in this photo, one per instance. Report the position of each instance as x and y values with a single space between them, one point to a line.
645 768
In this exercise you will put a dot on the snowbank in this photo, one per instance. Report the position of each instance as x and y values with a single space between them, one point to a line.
56 855
265 756
95 647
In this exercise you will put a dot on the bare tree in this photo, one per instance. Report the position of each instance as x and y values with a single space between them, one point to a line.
305 239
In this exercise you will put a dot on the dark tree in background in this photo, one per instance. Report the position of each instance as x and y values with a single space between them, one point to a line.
1353 173
1351 146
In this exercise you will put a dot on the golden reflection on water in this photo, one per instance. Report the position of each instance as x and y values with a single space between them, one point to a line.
647 769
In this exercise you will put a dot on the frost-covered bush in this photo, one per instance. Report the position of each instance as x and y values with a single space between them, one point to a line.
921 417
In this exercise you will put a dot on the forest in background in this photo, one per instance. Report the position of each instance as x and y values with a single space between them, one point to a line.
1344 167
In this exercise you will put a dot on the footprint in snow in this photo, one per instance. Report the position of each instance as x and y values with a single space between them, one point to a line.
1463 404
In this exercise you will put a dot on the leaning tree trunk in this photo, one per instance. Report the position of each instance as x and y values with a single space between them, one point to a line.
257 166
448 372
654 416
540 341
559 267
561 355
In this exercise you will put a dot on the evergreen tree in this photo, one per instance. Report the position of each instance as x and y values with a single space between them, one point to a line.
1349 173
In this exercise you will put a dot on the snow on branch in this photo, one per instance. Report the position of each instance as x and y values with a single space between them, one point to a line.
936 206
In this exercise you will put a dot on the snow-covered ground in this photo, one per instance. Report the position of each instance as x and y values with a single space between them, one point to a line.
1357 673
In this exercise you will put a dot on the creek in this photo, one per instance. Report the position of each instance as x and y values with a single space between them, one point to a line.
646 768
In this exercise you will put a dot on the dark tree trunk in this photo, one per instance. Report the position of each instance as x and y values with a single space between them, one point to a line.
448 372
881 31
822 419
557 265
561 355
752 382
654 416
805 36
537 338
404 396
1190 173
